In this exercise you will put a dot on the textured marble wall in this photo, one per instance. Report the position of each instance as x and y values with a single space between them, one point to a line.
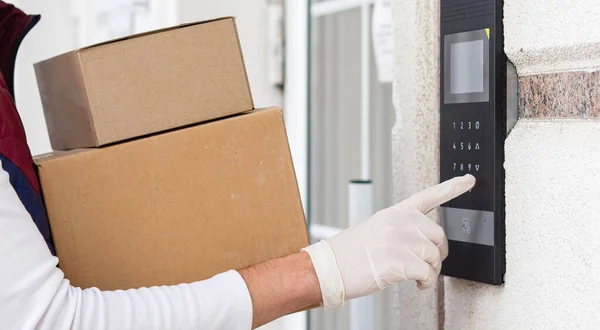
560 95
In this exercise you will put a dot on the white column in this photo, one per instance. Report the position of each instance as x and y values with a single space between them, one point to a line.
365 90
296 88
360 207
296 110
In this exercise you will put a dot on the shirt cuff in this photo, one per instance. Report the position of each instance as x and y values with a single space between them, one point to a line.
231 305
328 272
241 298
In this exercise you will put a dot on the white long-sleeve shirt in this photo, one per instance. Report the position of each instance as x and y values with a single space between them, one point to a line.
34 293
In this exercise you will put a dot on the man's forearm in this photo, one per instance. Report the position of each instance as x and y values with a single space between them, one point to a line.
281 286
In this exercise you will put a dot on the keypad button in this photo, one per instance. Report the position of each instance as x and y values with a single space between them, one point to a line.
466 145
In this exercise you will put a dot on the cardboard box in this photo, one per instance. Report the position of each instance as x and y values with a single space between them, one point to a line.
142 84
175 207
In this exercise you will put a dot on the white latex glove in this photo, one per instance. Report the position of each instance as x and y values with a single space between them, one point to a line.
395 245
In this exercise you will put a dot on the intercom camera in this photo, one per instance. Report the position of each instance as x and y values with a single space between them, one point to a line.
477 109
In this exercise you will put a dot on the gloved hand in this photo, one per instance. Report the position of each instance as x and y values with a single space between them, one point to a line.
395 245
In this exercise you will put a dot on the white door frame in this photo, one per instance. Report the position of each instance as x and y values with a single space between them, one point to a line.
298 16
296 107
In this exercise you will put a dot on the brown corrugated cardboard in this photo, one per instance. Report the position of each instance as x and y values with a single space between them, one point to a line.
144 84
175 207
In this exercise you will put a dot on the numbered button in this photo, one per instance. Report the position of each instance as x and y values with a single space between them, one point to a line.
477 167
466 145
468 125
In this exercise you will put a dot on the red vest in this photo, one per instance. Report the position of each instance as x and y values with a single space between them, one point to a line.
14 151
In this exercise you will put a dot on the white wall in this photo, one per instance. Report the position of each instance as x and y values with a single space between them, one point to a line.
553 231
552 35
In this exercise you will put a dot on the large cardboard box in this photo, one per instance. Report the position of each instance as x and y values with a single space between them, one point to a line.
144 84
175 207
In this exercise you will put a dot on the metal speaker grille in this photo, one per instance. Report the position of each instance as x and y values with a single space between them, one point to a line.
467 10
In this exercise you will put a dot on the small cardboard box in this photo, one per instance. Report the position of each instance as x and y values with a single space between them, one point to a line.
176 207
143 84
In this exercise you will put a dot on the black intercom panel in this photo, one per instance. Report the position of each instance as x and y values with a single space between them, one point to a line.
475 76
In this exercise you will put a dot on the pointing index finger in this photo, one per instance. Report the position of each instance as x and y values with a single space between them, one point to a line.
432 197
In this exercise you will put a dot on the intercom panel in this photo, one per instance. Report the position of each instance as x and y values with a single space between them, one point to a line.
474 103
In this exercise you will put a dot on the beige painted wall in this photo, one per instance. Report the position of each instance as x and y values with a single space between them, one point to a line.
415 135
